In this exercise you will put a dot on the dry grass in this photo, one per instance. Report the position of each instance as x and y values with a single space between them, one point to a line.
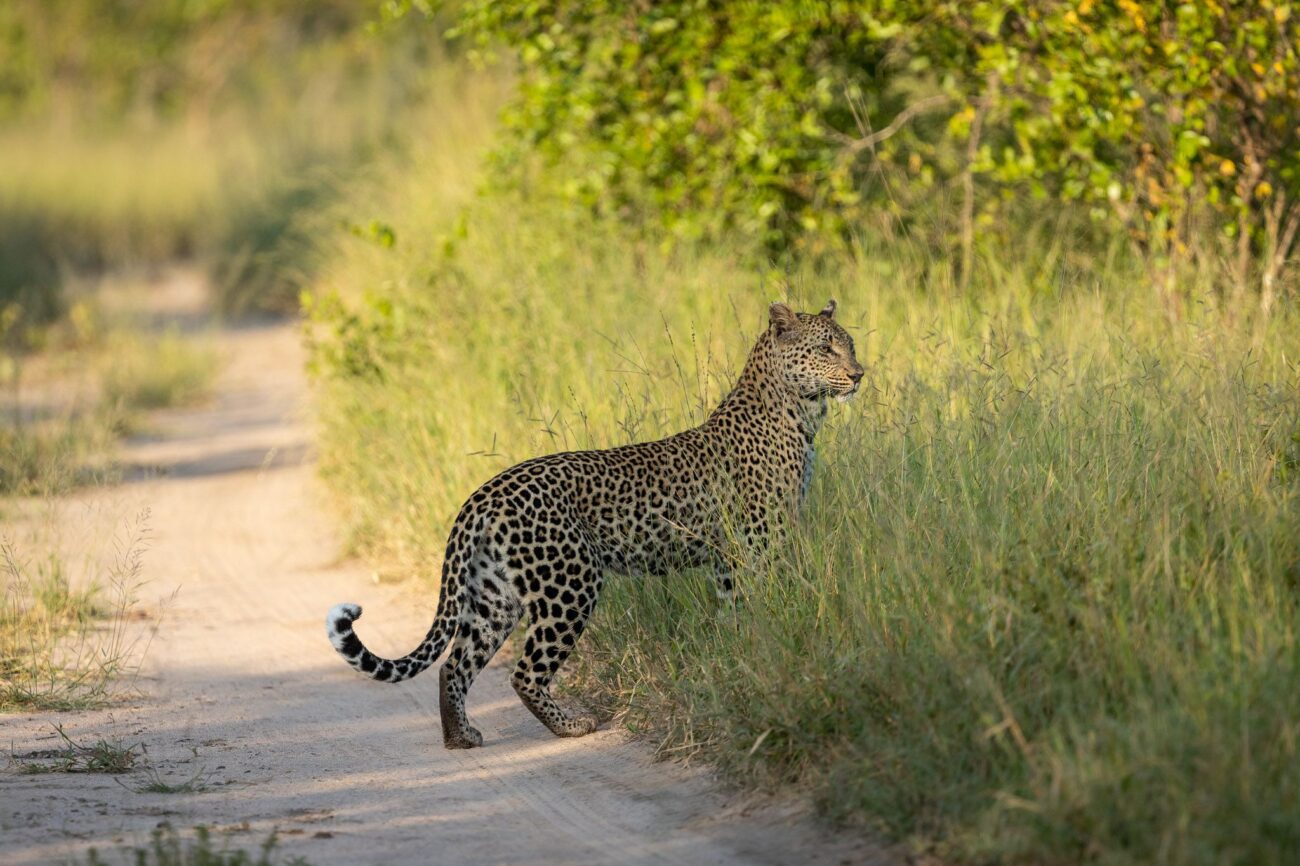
66 643
97 377
156 371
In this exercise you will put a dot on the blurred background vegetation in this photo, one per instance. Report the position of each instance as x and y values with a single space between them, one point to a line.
134 134
1043 606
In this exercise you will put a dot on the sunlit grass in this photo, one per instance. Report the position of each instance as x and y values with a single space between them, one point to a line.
98 378
55 454
1042 606
112 196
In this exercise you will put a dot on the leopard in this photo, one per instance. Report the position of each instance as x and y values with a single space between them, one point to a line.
541 537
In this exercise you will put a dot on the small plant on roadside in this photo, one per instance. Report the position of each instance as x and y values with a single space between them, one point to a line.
51 456
154 783
195 784
167 847
101 756
111 757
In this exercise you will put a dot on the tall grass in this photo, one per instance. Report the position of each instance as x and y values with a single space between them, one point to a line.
1042 605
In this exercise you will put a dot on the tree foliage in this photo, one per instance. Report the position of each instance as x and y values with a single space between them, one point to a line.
1165 116
704 116
777 119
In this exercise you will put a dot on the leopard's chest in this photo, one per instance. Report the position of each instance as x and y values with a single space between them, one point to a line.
805 481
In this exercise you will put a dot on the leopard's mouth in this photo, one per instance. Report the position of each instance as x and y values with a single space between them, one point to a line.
846 395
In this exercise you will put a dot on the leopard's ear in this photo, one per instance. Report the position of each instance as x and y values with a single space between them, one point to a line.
784 320
829 310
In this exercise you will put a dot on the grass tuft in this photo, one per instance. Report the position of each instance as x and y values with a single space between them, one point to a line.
195 783
101 756
64 645
53 455
156 371
156 785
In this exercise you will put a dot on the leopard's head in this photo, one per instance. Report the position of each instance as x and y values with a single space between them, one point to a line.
815 355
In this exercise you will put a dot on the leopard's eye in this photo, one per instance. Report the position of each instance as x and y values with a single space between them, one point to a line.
828 349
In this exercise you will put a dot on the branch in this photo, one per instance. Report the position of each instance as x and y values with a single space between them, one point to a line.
857 145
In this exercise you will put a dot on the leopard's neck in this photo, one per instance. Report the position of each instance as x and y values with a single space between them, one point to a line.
761 391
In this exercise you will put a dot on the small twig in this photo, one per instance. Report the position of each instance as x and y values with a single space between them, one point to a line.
968 182
857 145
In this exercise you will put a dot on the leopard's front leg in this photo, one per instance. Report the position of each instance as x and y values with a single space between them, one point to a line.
724 586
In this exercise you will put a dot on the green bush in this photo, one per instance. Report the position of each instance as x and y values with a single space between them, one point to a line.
798 124
1174 119
704 118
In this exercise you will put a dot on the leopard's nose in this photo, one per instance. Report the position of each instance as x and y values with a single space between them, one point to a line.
856 375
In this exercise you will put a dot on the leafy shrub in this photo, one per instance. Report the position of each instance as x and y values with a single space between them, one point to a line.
796 123
706 118
1164 116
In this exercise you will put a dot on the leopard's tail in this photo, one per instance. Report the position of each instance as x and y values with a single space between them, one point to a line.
338 624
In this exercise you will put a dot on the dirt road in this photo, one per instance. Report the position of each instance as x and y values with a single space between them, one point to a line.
241 687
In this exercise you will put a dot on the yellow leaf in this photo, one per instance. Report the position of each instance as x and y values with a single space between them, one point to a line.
1227 168
1264 190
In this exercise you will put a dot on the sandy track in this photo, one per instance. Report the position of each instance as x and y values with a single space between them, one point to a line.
241 684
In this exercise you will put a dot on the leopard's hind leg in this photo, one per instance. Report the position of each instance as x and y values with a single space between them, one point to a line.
558 614
492 612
